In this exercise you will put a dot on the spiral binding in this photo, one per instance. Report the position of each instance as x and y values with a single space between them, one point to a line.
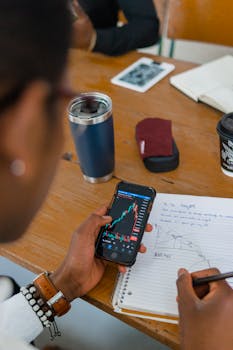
124 286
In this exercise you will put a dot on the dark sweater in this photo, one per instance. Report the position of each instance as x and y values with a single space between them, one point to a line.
140 31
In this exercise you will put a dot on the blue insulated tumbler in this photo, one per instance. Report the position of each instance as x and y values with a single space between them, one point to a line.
91 122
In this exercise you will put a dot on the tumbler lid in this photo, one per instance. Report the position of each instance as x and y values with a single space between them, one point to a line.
90 108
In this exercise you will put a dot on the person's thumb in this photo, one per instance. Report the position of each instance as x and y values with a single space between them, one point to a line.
186 293
94 223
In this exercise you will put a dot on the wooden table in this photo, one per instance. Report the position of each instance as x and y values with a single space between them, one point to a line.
71 198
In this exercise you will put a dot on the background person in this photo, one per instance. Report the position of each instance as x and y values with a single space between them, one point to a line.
96 26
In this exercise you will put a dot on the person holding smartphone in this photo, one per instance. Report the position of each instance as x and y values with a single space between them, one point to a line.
96 29
32 78
32 105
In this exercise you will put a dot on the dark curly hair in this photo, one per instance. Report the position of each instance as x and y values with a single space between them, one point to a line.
34 40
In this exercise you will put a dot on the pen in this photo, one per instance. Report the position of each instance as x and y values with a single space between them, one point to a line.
203 280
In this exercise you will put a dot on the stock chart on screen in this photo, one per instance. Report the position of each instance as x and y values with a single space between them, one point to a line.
128 212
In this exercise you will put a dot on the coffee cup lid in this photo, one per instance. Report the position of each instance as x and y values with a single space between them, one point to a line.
225 125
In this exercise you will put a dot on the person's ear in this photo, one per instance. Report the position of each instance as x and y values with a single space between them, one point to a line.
22 128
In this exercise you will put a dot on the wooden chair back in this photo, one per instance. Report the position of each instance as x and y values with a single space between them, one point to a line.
201 20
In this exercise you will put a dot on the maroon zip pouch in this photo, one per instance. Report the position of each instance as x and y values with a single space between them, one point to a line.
156 145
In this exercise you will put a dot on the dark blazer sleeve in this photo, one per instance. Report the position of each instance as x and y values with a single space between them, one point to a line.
141 30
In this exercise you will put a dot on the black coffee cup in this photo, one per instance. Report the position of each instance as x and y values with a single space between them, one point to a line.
225 131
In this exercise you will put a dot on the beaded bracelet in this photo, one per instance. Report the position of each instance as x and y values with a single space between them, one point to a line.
41 309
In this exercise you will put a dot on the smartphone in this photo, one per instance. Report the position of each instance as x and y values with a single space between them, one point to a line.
142 74
130 207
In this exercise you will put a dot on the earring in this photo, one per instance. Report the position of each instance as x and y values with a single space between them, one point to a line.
18 167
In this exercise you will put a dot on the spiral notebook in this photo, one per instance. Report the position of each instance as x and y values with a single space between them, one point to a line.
188 231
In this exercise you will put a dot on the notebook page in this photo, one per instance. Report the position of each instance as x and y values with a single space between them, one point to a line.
188 231
220 98
209 76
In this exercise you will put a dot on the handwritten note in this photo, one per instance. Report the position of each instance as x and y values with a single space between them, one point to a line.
201 214
188 231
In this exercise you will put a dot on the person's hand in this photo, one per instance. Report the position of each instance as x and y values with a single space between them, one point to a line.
81 270
83 30
205 322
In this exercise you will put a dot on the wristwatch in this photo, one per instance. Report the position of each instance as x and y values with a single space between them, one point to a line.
53 297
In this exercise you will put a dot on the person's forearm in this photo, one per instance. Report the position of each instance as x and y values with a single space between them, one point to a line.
18 319
116 41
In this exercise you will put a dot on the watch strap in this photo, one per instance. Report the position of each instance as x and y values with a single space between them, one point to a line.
53 297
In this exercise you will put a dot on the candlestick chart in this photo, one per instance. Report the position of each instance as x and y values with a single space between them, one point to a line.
123 234
124 222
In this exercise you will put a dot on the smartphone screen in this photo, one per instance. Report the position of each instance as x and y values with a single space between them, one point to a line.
119 241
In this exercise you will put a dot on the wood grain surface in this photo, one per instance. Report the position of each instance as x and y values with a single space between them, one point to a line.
71 199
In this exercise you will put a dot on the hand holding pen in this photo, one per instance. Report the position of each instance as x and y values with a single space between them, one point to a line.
212 278
206 311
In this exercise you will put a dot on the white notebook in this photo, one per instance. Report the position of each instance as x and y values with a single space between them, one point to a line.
211 83
188 231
